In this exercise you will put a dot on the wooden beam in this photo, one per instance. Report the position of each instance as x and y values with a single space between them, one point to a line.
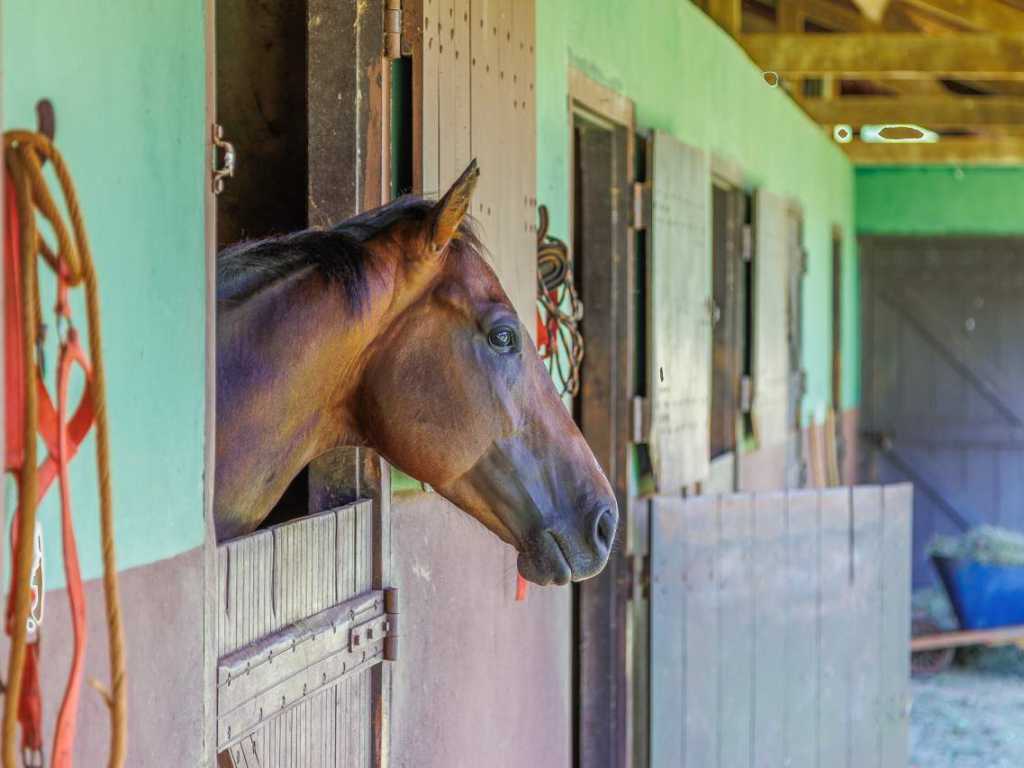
873 9
953 151
980 15
927 111
837 17
728 14
978 56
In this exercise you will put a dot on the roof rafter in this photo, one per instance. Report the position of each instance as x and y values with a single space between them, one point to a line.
930 111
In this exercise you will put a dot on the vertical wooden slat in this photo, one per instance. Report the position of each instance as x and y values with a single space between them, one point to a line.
866 616
835 629
771 620
801 694
703 637
427 67
736 631
669 606
897 503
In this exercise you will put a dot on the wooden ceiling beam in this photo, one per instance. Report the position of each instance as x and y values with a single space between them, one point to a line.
886 55
926 111
980 15
873 9
728 14
953 151
836 17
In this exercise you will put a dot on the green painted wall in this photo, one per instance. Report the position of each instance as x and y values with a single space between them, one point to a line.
127 80
940 200
688 78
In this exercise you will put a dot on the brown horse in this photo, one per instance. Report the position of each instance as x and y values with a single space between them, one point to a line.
391 331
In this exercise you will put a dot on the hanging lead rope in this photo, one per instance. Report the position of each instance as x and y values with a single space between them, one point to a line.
71 261
559 311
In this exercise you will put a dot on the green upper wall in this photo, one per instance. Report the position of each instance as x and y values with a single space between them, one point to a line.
689 78
940 201
127 81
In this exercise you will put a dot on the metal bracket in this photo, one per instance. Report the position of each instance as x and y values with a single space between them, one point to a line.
222 172
641 418
642 202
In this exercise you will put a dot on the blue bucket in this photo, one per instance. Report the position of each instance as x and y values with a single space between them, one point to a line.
983 595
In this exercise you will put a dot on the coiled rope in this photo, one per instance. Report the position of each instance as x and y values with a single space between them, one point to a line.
24 155
559 310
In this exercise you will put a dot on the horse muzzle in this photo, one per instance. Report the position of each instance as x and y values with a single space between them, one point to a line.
558 554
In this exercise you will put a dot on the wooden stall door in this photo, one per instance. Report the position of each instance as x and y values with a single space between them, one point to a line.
679 313
942 364
778 379
780 625
297 616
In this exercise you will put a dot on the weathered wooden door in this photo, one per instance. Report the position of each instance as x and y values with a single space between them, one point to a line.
779 629
943 363
778 378
679 313
297 614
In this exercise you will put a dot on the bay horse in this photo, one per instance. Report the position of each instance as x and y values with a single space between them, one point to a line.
391 331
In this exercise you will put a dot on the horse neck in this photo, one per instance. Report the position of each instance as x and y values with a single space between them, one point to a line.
288 360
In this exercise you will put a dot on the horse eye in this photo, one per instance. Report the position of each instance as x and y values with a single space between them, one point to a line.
503 339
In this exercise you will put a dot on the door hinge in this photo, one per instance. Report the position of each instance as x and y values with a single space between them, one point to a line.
638 577
393 29
641 419
746 394
227 170
642 202
747 243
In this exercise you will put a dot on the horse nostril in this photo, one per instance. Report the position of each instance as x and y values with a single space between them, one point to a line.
604 531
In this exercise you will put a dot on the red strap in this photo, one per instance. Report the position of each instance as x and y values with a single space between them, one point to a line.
62 438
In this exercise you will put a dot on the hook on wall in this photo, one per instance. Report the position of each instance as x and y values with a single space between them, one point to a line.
46 118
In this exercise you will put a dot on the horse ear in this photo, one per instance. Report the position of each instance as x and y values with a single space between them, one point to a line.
451 209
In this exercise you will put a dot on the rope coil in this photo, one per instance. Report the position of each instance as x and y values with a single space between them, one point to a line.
559 311
24 155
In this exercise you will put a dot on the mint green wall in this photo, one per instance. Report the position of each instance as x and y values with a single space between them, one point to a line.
940 200
687 77
127 80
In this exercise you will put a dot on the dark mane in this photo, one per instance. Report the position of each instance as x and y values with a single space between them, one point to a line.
340 254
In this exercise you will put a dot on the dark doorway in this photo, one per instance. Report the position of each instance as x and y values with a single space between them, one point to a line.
603 250
728 317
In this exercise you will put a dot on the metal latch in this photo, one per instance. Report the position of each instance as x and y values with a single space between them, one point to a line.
393 29
227 170
380 628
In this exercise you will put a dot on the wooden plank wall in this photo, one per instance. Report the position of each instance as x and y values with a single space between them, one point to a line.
780 628
473 73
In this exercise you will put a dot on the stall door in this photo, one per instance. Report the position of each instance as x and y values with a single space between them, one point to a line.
943 363
298 619
679 313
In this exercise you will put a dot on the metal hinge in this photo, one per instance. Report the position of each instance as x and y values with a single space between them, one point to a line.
641 419
746 394
227 170
638 577
747 243
642 202
393 29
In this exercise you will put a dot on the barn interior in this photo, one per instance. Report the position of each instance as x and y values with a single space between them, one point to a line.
796 231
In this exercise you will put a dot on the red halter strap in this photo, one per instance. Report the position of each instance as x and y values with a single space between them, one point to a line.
62 436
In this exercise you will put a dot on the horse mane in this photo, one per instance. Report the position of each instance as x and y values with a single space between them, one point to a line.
340 254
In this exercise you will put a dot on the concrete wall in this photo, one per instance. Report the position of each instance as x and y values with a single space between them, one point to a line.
940 200
127 80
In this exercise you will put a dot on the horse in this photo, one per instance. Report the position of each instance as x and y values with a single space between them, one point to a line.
391 331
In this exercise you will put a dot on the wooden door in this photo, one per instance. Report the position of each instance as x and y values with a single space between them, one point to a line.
679 312
778 379
942 366
297 614
779 629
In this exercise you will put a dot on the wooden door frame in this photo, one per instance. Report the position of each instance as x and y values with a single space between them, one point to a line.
610 593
